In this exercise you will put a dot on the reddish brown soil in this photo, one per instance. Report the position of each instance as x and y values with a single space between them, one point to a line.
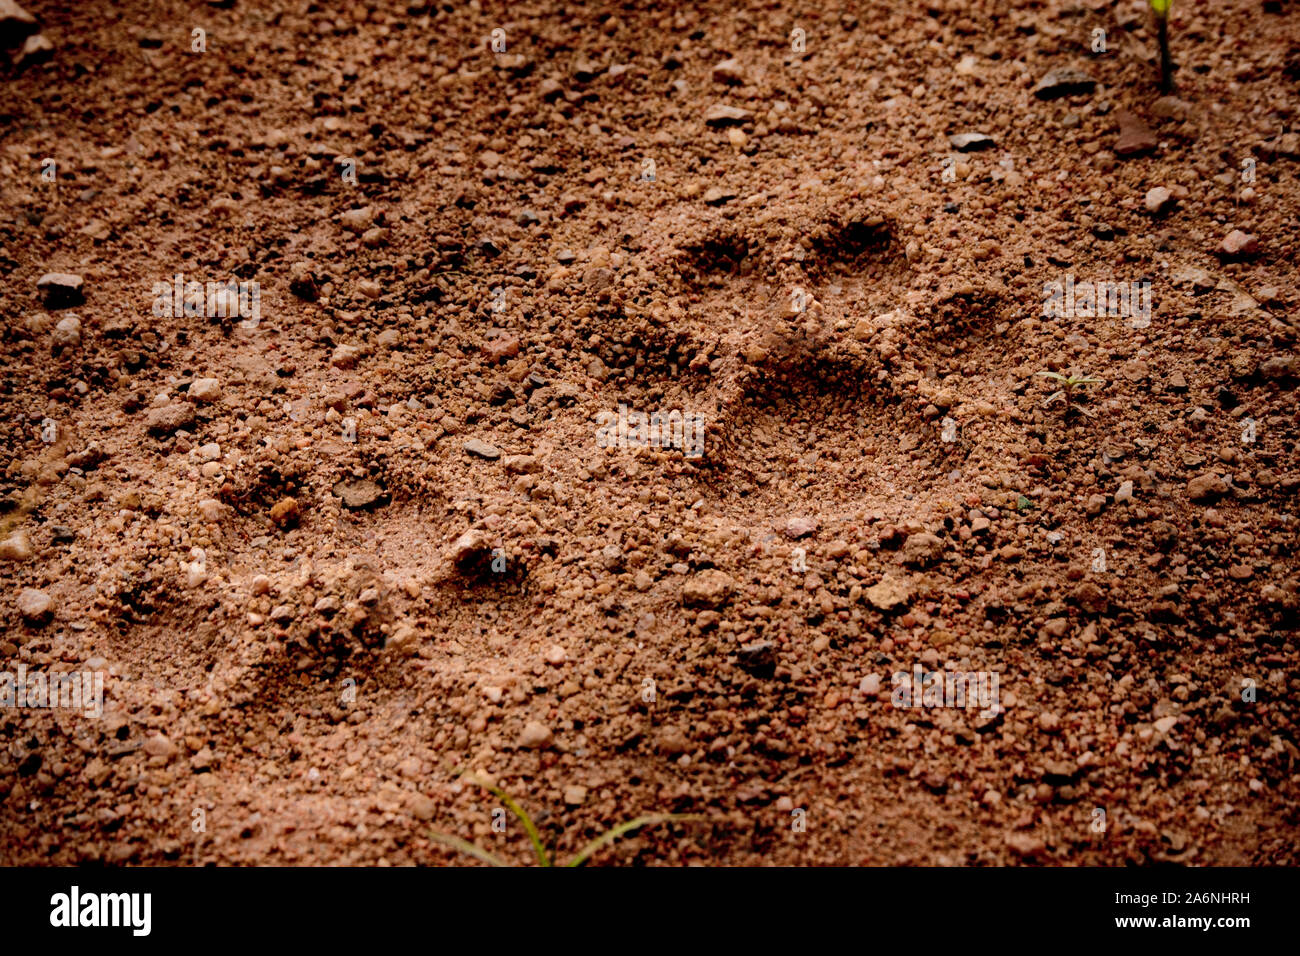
232 695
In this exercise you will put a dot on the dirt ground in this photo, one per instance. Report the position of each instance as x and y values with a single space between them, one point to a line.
336 551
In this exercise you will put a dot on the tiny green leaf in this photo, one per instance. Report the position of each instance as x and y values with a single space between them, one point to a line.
609 836
466 847
613 833
538 847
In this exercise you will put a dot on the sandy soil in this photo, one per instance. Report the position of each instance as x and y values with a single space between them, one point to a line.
332 554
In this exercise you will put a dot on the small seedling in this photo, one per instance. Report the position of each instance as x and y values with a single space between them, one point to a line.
543 857
1161 8
1070 386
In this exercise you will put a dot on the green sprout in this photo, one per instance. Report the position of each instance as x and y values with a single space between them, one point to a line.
1070 387
544 858
1161 8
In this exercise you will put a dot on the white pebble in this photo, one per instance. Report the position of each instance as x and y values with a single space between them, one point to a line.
68 331
33 604
16 547
205 390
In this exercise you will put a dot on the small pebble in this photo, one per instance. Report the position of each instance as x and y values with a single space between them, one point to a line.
205 390
481 449
1158 199
61 289
1238 243
536 736
34 605
16 547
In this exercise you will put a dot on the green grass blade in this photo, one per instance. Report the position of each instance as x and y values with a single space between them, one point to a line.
1055 375
538 847
466 847
613 833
